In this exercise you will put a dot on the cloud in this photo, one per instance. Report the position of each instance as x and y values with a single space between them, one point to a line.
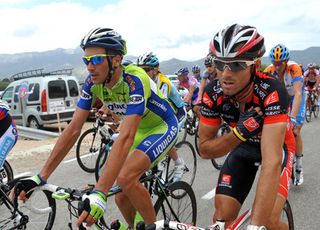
180 28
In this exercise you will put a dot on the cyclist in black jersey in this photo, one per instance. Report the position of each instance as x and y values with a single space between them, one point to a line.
256 106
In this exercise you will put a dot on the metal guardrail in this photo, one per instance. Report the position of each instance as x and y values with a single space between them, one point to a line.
35 134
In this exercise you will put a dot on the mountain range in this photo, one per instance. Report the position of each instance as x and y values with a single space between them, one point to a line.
71 58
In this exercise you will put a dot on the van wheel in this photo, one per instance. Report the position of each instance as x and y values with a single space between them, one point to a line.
33 123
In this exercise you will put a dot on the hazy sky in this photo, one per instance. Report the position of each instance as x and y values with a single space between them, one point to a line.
170 28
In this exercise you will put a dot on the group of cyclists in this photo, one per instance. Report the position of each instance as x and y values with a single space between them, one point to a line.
265 110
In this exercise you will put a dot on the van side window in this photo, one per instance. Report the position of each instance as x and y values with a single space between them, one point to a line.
16 94
73 88
57 89
34 96
7 95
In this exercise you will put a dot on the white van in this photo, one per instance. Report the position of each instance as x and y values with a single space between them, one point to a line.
37 98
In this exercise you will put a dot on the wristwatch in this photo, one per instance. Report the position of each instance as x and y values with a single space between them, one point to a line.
255 227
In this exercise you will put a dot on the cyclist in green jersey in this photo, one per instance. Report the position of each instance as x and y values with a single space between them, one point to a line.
148 131
150 63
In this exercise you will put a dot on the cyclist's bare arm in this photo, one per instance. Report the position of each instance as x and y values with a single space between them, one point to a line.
272 140
212 146
189 95
297 98
119 152
65 142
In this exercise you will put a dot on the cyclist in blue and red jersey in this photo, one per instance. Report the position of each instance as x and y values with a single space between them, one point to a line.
8 132
256 106
290 73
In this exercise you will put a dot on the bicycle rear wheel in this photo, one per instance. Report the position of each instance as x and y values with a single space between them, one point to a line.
186 151
308 112
88 148
179 204
40 209
6 173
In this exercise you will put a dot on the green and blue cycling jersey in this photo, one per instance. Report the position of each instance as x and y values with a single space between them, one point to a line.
136 93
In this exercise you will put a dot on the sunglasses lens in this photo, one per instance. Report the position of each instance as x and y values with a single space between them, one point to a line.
233 66
95 60
85 61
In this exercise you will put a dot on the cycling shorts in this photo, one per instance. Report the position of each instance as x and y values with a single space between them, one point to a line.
157 142
239 170
9 136
302 109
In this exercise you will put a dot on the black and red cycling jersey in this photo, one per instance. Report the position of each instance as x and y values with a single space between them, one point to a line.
268 93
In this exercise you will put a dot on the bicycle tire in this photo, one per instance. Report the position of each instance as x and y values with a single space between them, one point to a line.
190 160
42 204
101 160
218 162
182 204
308 109
287 211
6 173
89 144
196 140
316 107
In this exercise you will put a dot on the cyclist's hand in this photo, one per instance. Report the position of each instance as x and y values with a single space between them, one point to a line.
92 208
27 186
249 124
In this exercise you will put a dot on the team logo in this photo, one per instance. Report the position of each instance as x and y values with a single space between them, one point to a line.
206 100
131 82
136 99
251 124
272 98
226 179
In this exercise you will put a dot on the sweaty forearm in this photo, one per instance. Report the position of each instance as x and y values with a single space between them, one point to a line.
60 150
218 147
296 104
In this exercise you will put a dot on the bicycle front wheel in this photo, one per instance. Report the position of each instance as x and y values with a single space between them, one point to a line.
101 160
185 151
286 215
179 204
87 150
40 209
6 173
316 107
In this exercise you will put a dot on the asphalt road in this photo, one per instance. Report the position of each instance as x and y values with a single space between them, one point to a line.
304 199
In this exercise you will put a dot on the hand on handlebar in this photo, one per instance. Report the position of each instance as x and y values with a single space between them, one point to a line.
92 208
26 186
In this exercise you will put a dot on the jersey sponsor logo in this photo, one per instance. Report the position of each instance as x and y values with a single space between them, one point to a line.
271 98
167 141
136 99
158 104
131 82
207 100
225 180
264 85
85 95
259 92
147 143
251 124
7 144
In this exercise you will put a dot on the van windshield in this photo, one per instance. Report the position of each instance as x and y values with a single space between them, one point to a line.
57 89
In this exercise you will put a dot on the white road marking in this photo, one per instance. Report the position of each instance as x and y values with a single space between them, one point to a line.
209 195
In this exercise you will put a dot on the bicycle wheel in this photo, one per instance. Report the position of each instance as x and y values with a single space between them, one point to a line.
101 160
40 209
87 150
218 162
286 215
175 206
186 151
316 107
308 112
196 140
6 173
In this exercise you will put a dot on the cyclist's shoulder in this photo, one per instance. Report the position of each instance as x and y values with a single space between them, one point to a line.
294 69
164 79
213 88
270 69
